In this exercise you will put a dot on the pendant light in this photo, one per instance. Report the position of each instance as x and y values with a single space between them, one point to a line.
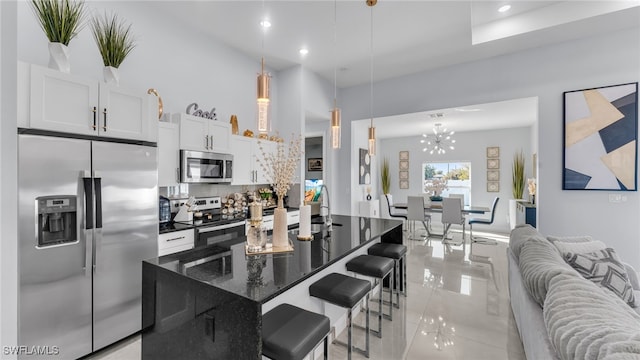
335 113
263 87
372 129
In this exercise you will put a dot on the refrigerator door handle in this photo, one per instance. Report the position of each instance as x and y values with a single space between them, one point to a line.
88 222
97 235
98 192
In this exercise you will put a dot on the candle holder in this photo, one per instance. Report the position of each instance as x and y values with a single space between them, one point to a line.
256 237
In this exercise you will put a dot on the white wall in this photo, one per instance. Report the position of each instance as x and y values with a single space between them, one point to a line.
545 72
8 179
470 147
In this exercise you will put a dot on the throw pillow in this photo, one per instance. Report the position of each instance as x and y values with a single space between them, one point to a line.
605 269
579 247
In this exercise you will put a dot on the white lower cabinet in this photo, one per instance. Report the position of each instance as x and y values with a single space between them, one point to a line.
293 217
369 208
173 242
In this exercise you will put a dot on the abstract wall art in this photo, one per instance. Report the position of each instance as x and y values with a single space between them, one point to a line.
600 138
365 167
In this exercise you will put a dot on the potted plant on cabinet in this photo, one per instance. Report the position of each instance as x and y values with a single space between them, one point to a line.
115 41
60 21
517 185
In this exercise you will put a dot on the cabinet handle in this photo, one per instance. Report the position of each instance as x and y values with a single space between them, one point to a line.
174 239
95 115
104 125
178 175
206 139
211 138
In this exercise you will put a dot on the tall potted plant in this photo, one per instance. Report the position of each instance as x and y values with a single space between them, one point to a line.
115 41
385 179
60 20
517 185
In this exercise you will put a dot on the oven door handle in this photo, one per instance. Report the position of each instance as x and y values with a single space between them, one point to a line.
203 229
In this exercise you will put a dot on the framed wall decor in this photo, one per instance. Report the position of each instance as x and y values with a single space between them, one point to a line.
404 175
493 152
365 167
493 186
404 184
404 165
493 175
493 163
404 155
314 164
600 138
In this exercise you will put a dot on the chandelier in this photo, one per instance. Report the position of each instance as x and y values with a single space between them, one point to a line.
439 141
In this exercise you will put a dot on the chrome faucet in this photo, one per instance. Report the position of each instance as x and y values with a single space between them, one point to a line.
326 218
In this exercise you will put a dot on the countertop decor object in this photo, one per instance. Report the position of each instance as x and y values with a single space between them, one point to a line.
304 230
279 168
115 41
234 124
435 187
60 21
160 104
248 133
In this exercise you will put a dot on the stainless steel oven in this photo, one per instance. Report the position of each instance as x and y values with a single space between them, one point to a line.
205 167
209 235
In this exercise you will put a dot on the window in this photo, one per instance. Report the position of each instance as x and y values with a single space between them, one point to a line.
457 174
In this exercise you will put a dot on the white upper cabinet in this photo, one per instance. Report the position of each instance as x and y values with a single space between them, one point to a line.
67 103
246 152
243 160
168 154
201 134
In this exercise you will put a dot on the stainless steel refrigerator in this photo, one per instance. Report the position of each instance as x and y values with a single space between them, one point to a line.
88 216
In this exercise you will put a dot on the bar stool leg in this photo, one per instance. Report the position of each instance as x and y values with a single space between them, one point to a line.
404 275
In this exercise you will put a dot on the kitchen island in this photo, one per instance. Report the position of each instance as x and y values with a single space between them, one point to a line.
208 302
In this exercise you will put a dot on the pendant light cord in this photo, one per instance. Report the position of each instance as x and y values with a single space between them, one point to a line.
371 68
335 61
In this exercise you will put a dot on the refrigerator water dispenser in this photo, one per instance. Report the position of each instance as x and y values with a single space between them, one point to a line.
56 220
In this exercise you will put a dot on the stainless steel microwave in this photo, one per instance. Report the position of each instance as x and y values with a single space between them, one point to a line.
205 167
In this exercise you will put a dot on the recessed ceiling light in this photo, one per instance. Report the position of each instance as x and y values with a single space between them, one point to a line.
265 23
304 51
504 8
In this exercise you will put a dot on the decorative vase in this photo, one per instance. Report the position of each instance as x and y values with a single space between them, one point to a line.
234 125
368 197
435 198
280 237
59 57
111 75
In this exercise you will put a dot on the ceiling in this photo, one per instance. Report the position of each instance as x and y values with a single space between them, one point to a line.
408 37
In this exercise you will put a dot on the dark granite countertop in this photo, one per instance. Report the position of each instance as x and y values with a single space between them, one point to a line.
262 277
174 226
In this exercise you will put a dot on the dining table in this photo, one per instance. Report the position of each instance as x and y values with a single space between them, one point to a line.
436 207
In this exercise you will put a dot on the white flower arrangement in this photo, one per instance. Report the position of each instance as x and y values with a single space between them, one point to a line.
279 167
436 186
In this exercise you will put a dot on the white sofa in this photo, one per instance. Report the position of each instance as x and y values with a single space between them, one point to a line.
534 323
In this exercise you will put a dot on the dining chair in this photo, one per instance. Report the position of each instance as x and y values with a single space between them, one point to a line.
484 222
452 215
393 212
458 196
416 212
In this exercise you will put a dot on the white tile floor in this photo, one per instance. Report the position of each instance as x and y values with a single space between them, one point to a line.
455 309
